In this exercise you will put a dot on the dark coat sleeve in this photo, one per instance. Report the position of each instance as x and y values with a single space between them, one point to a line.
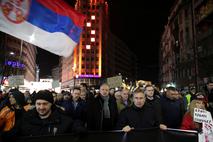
122 120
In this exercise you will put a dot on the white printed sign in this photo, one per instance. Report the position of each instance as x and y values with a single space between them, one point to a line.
204 117
201 116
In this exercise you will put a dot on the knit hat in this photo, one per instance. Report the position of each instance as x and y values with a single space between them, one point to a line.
44 95
19 96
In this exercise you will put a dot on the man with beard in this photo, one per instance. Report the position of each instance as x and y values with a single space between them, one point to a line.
47 119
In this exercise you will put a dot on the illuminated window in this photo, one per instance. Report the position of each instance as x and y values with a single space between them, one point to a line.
93 17
88 24
92 39
88 47
92 32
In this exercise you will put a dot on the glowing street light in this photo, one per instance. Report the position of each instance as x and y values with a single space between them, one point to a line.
12 53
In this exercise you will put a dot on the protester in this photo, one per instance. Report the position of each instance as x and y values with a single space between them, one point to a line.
125 100
172 108
11 115
47 119
101 111
137 116
188 123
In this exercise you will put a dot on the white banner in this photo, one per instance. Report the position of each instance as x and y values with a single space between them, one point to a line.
201 116
204 117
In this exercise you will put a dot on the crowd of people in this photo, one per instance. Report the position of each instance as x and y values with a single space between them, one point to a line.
82 110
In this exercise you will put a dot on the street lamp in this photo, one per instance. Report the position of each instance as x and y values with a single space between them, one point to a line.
76 76
12 53
74 73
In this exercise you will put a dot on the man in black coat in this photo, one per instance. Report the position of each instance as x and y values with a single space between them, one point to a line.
172 108
101 113
137 116
209 93
47 119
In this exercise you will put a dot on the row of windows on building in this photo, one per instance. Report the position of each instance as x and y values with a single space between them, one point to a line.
89 66
93 7
86 73
89 59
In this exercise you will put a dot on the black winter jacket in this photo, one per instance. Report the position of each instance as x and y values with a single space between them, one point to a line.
138 118
94 114
56 123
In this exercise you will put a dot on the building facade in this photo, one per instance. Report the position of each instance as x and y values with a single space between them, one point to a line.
19 57
118 58
99 54
186 44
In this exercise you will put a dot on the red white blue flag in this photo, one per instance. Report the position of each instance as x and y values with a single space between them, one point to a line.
49 24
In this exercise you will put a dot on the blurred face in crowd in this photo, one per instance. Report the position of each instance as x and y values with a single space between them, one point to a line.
149 91
104 90
66 96
83 95
193 90
112 91
171 94
54 97
210 86
118 95
26 94
125 94
59 97
82 87
178 95
76 94
92 89
43 108
139 99
12 100
200 104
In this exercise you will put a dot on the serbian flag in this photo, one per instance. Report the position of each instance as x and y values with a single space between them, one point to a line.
49 24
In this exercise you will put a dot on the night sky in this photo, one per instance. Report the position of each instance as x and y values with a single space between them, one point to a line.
139 24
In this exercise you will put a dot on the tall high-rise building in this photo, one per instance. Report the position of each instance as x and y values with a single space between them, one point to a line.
95 56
